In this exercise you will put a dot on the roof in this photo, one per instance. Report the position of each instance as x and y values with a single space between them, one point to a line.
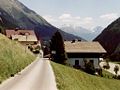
9 33
83 47
25 38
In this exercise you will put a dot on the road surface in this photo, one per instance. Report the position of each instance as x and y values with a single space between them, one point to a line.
37 76
111 69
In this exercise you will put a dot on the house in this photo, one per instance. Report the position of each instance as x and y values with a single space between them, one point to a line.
80 52
25 37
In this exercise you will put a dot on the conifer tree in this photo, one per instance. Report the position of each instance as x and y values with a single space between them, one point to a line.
57 45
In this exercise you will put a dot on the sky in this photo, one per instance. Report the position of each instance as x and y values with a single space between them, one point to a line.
85 13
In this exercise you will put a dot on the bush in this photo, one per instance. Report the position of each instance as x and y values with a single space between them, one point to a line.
30 47
36 51
12 75
38 47
89 67
116 77
99 71
106 65
77 66
116 69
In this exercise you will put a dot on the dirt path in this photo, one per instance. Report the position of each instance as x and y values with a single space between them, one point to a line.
37 76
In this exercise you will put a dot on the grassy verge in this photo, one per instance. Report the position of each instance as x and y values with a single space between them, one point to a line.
107 74
13 57
71 79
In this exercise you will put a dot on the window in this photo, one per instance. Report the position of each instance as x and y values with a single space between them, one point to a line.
76 62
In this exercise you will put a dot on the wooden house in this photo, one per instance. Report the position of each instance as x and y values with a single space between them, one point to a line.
25 37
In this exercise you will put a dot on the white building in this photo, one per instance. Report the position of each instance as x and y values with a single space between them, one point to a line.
80 52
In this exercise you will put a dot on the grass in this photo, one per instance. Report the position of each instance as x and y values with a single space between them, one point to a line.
13 57
107 74
71 79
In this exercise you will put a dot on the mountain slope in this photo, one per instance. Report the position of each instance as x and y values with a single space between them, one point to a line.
13 57
71 79
97 30
6 20
21 16
82 32
110 37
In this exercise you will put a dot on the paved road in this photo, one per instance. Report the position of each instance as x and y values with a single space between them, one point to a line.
112 65
37 76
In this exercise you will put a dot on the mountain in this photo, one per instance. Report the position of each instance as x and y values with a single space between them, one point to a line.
82 32
14 14
110 38
6 20
97 30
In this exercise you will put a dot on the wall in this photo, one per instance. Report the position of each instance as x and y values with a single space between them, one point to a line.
26 42
71 61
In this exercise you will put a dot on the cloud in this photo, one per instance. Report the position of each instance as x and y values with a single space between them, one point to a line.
69 16
106 19
88 20
65 16
68 19
49 18
110 16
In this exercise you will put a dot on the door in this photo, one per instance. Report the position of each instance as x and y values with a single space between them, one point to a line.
76 62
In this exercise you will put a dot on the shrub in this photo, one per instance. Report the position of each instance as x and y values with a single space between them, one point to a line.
77 66
99 71
36 51
12 75
116 77
116 69
30 47
106 65
38 47
89 67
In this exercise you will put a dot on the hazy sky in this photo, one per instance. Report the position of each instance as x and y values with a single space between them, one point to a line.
85 13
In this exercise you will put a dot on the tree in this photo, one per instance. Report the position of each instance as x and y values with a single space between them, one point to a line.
57 48
1 29
46 51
